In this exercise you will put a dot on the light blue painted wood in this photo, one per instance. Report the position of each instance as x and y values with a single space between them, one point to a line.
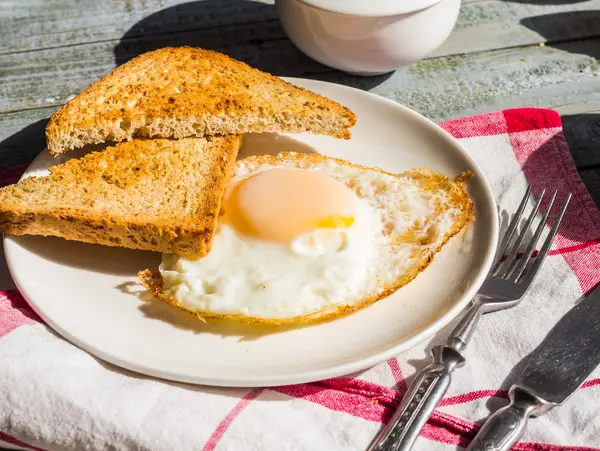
52 49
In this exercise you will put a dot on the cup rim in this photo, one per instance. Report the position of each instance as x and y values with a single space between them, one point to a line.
372 8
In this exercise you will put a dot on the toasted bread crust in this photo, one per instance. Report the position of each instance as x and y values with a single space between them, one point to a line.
459 198
129 195
185 91
107 231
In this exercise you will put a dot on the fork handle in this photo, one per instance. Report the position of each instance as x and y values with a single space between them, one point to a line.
419 402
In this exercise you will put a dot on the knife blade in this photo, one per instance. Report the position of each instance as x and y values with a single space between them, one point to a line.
553 372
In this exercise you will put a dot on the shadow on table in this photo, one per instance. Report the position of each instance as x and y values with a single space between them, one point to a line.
572 25
245 30
582 132
23 146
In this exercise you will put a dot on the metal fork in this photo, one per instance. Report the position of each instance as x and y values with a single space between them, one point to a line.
504 287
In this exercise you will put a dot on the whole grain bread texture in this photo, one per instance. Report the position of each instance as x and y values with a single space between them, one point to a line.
453 190
159 195
183 91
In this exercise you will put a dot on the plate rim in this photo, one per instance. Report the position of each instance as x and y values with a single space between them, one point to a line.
335 370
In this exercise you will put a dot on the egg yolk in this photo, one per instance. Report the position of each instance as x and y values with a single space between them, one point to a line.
281 204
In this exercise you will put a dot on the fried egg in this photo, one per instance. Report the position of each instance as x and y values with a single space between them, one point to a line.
304 237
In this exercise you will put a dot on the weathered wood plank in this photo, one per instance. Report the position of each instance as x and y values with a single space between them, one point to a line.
50 77
490 25
36 24
482 25
456 86
440 88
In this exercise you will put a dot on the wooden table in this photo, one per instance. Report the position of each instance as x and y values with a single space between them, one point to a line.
502 54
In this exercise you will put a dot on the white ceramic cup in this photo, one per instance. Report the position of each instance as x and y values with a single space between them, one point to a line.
367 44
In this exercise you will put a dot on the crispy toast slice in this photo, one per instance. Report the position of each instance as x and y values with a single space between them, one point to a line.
184 91
159 195
451 211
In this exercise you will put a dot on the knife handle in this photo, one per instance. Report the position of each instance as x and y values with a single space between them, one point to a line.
419 402
504 428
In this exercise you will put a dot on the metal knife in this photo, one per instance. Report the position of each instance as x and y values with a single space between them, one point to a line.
555 369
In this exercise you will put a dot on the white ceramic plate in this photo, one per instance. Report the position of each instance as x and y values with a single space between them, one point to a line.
90 295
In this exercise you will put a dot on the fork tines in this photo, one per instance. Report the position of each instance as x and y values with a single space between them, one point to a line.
514 266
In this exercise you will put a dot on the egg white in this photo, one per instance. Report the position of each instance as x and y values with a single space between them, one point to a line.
397 227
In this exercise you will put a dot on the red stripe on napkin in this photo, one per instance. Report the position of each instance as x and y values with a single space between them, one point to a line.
472 396
226 422
14 312
576 247
524 119
355 397
482 125
449 429
401 385
591 383
13 441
